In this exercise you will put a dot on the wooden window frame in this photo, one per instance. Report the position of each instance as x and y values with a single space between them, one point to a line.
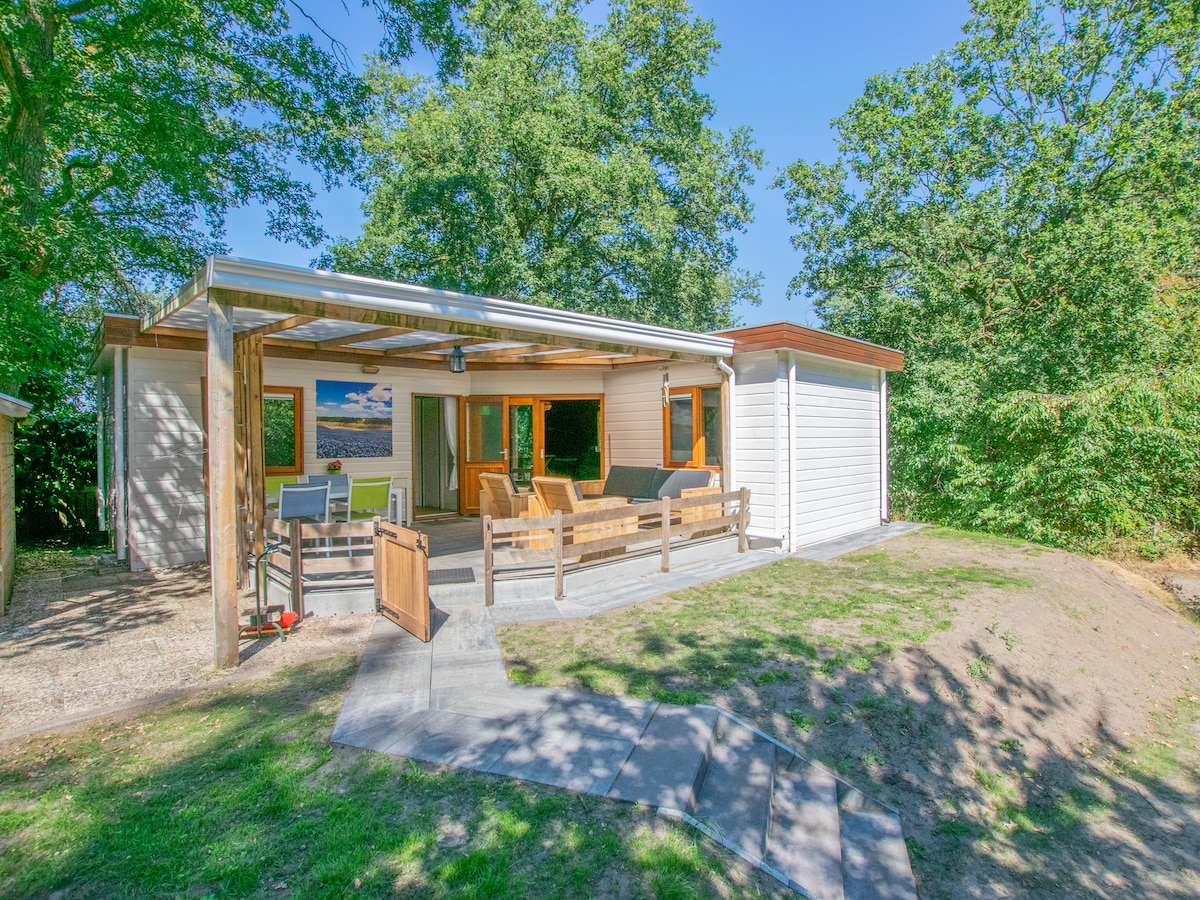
298 430
699 448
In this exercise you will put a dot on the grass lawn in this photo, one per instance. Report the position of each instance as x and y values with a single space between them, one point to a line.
239 793
786 621
949 675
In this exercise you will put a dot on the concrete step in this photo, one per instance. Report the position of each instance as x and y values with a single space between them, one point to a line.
735 799
875 863
443 595
804 842
669 762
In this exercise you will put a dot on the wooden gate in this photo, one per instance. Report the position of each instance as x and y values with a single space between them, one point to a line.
402 577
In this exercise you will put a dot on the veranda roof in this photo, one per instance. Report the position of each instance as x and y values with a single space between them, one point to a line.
309 314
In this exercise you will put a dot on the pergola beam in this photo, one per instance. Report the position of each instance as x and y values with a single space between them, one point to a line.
275 327
508 352
469 329
417 349
374 334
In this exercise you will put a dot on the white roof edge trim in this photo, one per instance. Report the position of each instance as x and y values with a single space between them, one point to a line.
14 408
830 360
251 276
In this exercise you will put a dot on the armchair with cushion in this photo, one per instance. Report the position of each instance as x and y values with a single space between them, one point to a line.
498 498
560 494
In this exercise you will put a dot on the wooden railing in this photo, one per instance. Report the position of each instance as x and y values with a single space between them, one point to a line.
524 545
310 551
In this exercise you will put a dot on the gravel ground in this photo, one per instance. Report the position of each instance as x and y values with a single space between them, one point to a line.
83 643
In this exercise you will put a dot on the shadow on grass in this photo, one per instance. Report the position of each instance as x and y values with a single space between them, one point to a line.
241 793
988 810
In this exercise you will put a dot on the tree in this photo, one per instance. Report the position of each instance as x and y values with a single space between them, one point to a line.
565 165
131 126
1022 216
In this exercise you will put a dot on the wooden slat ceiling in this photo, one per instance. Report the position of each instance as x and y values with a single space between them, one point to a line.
302 336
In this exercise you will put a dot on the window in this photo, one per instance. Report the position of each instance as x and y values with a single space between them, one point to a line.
283 431
692 423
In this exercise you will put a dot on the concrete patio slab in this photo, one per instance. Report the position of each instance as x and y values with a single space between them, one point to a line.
449 702
455 740
622 717
565 757
670 760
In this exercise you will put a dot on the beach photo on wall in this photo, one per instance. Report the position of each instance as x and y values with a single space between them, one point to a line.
353 419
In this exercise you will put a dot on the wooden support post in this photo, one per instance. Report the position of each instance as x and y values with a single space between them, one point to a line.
256 486
664 506
240 469
222 488
744 520
488 570
558 556
296 539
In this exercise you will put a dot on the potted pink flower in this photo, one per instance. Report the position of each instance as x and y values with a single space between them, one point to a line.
334 467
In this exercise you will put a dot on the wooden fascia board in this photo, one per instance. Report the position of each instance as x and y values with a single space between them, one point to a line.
114 330
817 343
383 318
187 333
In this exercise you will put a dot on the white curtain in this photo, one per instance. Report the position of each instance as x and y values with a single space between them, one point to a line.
450 411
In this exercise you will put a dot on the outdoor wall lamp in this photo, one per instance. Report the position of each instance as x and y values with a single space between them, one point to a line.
458 361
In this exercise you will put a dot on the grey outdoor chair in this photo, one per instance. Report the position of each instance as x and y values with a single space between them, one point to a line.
307 502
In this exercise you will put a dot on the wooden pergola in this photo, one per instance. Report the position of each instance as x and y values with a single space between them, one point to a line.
239 312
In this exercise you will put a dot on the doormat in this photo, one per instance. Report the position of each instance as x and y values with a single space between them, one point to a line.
451 576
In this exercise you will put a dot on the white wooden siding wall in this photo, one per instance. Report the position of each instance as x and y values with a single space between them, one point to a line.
633 412
836 450
760 465
165 458
525 384
404 383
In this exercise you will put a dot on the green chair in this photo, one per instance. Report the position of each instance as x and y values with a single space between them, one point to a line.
368 499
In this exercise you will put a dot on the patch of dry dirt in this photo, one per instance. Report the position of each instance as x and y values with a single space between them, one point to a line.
77 644
1025 707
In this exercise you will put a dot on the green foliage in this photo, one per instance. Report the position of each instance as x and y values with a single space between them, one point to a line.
279 432
129 127
55 452
1022 216
566 165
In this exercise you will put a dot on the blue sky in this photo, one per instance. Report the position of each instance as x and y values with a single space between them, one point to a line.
785 69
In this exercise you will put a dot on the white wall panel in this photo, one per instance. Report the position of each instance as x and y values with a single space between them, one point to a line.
633 412
165 438
836 450
758 406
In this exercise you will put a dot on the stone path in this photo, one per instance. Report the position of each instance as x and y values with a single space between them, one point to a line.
450 702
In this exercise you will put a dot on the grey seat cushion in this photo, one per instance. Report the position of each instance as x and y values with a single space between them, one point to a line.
645 483
634 482
678 480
